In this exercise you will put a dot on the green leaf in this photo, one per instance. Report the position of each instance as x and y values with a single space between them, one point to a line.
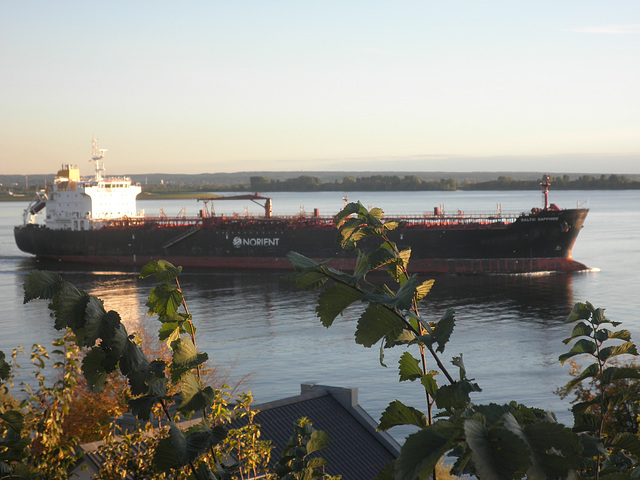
164 300
362 267
420 452
591 445
177 317
443 329
346 230
627 348
113 346
409 367
111 331
334 300
612 374
497 452
94 370
42 284
493 412
405 337
581 347
598 317
169 332
377 322
178 443
5 368
403 298
318 440
164 271
308 280
627 441
217 433
197 443
313 463
171 451
584 421
377 213
141 406
581 329
362 232
135 366
391 225
157 381
604 334
301 262
397 268
423 289
94 313
581 311
185 357
589 372
455 395
188 328
397 413
194 396
380 257
429 383
458 362
348 210
70 305
13 420
408 292
382 346
556 449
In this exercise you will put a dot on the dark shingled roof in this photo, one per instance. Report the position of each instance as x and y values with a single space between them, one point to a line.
356 451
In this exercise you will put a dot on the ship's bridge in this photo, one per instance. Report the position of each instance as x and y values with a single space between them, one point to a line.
83 204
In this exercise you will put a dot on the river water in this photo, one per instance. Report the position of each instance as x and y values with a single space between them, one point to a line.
256 325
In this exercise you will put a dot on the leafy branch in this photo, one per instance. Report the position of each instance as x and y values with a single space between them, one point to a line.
151 382
391 317
591 337
488 441
167 389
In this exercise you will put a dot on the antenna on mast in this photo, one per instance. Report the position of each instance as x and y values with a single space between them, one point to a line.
97 154
545 190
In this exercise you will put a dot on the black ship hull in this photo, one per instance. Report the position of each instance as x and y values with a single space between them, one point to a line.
540 241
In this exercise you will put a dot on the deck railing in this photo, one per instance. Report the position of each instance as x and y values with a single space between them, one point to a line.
426 219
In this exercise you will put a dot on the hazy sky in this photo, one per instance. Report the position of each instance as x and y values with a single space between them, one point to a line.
226 86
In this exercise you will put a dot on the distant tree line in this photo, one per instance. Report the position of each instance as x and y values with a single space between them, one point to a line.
584 182
415 183
372 183
381 183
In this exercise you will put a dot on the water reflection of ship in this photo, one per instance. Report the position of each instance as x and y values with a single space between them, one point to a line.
537 298
542 297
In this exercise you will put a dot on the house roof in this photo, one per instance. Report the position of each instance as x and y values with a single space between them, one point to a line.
356 451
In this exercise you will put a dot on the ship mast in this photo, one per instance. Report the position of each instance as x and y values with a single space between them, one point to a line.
97 154
545 191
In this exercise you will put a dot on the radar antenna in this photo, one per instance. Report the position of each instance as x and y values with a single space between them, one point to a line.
97 154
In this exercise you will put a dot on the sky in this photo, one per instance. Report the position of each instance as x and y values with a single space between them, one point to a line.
302 85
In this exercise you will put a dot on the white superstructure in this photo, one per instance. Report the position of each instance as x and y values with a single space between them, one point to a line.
73 203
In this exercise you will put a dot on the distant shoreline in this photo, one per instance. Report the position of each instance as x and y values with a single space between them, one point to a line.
188 189
206 195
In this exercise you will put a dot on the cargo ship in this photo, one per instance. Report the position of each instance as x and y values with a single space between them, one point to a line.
94 221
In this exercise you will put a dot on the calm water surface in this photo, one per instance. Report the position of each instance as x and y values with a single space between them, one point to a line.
509 328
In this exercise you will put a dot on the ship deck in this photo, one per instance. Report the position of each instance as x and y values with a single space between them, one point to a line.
459 220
